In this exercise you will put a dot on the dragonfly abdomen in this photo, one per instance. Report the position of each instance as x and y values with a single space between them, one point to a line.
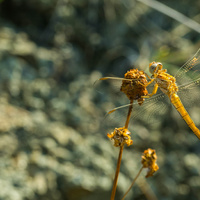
175 100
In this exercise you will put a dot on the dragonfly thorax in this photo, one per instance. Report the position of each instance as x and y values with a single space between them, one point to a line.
154 67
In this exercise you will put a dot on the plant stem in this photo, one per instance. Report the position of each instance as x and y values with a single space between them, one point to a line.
132 183
129 114
117 173
120 154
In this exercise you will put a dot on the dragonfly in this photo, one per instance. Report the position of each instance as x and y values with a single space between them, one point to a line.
185 84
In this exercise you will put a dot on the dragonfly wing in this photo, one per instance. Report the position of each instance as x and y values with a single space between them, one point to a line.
109 94
190 70
152 110
190 97
109 90
147 114
188 79
108 84
190 93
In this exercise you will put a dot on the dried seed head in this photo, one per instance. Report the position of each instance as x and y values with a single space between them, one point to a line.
136 87
149 158
121 136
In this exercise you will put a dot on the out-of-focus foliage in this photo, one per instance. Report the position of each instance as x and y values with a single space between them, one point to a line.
52 144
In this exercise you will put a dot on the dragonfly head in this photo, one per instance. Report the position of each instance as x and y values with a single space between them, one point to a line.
154 67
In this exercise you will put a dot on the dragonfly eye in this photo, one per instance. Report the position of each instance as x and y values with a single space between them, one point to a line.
159 65
152 67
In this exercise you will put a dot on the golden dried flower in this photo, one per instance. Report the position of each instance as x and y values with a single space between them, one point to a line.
121 136
149 158
136 87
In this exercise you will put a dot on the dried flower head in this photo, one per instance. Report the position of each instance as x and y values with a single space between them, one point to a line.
149 158
121 136
136 87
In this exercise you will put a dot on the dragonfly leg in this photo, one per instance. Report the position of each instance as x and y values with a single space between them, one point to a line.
148 76
153 92
151 81
144 85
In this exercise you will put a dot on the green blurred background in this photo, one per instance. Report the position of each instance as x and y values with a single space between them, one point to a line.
52 141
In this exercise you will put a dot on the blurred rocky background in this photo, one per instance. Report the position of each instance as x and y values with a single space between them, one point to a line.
52 142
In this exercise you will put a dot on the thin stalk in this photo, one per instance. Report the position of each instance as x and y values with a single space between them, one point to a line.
120 154
146 189
117 173
132 183
160 7
129 114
